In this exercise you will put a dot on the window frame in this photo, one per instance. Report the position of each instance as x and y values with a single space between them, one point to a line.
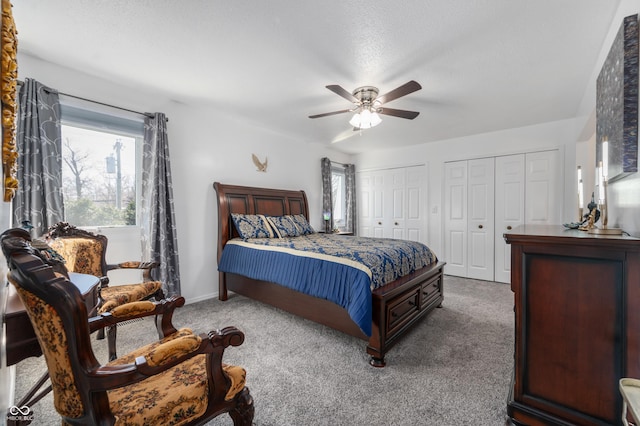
337 170
93 116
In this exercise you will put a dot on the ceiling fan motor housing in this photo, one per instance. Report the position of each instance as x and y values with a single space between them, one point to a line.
366 94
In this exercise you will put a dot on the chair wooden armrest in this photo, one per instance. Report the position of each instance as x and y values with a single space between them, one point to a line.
146 267
162 309
213 344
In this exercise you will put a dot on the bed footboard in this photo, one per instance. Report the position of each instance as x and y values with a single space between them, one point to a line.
396 307
401 304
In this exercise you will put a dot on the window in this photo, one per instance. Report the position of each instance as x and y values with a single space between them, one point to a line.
100 179
338 183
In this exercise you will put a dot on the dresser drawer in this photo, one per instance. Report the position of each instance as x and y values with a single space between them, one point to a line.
402 309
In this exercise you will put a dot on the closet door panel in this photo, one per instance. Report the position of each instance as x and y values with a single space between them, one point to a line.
455 218
481 219
365 216
378 205
415 221
509 209
395 223
543 193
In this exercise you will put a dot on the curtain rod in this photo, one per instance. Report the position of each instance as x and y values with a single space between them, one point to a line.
146 114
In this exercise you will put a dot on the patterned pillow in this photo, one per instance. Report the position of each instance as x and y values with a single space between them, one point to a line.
303 224
284 226
252 225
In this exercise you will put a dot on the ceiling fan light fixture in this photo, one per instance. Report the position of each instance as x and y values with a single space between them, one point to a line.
355 120
375 119
365 119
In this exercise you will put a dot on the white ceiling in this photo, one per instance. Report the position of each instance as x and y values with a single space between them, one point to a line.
484 65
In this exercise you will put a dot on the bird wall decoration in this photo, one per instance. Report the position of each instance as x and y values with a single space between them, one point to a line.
261 166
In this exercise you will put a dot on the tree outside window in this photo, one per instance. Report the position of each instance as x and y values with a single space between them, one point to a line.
99 177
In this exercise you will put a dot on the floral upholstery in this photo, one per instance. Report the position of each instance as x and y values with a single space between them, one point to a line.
120 294
154 400
54 344
133 308
82 255
171 351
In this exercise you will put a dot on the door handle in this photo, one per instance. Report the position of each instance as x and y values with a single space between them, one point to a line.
480 226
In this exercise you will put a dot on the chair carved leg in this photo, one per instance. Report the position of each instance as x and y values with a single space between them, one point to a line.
111 341
242 414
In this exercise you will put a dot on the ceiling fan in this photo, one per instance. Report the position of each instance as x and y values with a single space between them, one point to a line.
367 104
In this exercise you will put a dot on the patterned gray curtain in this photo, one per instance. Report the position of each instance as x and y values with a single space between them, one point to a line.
327 193
39 142
350 197
159 237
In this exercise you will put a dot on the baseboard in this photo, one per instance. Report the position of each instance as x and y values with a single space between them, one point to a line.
201 298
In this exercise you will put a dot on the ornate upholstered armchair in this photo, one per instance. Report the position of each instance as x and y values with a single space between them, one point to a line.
178 380
85 252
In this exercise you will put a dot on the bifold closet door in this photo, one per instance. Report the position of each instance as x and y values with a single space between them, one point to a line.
371 202
469 218
543 202
392 203
481 193
510 195
455 218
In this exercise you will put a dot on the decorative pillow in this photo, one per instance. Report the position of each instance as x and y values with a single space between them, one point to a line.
303 224
252 225
284 226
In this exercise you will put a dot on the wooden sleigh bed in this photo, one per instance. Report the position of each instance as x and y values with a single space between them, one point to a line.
396 306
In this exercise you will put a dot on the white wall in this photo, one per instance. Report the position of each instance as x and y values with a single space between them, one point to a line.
206 145
560 134
624 195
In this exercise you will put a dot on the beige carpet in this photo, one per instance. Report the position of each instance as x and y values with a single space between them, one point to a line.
454 368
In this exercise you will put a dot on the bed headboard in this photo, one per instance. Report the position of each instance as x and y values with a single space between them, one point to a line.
251 200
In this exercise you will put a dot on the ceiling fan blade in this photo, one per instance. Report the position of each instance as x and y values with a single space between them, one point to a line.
403 90
338 90
410 115
329 113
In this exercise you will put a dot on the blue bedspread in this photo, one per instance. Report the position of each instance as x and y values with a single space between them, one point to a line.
342 269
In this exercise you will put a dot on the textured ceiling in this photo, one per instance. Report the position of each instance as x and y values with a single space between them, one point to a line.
484 65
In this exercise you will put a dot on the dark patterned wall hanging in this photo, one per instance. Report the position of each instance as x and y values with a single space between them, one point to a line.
617 102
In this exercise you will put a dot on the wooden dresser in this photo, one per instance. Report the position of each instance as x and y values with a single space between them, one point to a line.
577 324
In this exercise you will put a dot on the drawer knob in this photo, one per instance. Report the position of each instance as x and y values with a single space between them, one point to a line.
396 223
509 228
379 223
480 226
